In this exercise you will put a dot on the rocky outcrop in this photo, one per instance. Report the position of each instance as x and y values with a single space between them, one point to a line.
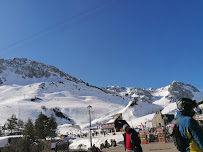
143 95
138 94
172 92
179 90
30 69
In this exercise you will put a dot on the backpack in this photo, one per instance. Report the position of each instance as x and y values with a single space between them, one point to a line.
180 143
136 138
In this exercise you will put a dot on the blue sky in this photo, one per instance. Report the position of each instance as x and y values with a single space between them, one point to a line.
127 43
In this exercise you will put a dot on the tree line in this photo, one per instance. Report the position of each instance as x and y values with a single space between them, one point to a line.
33 132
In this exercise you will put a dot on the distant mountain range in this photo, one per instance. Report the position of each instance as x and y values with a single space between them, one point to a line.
29 87
172 92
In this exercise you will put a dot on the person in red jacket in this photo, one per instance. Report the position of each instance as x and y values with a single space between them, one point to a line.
131 140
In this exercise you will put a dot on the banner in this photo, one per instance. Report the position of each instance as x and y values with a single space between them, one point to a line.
143 137
161 136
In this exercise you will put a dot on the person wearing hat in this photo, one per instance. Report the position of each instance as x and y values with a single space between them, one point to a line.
131 140
189 128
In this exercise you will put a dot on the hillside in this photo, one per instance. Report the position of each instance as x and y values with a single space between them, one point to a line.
27 87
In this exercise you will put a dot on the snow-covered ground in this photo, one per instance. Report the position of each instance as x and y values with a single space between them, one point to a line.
5 140
97 140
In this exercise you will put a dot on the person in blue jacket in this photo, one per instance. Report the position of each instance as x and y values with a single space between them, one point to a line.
189 127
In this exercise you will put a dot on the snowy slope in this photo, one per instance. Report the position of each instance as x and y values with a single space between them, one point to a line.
71 98
16 99
22 80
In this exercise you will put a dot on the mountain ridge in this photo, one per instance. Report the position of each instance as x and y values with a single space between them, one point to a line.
27 69
19 95
176 90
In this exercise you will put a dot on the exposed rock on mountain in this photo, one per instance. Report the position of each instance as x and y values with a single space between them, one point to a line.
179 90
27 69
172 92
138 94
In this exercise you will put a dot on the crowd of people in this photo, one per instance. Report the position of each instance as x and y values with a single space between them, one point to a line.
94 133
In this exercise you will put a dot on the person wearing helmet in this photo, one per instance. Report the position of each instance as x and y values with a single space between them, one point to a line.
189 127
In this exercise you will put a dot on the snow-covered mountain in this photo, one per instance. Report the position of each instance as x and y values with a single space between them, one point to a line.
173 92
29 87
24 71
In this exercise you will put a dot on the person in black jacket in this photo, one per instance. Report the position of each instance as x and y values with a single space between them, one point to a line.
131 140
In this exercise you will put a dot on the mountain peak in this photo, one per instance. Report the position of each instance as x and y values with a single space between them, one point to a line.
179 90
186 86
21 68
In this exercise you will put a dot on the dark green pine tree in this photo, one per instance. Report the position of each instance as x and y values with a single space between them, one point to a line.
41 126
25 144
11 123
29 130
1 131
51 126
20 125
